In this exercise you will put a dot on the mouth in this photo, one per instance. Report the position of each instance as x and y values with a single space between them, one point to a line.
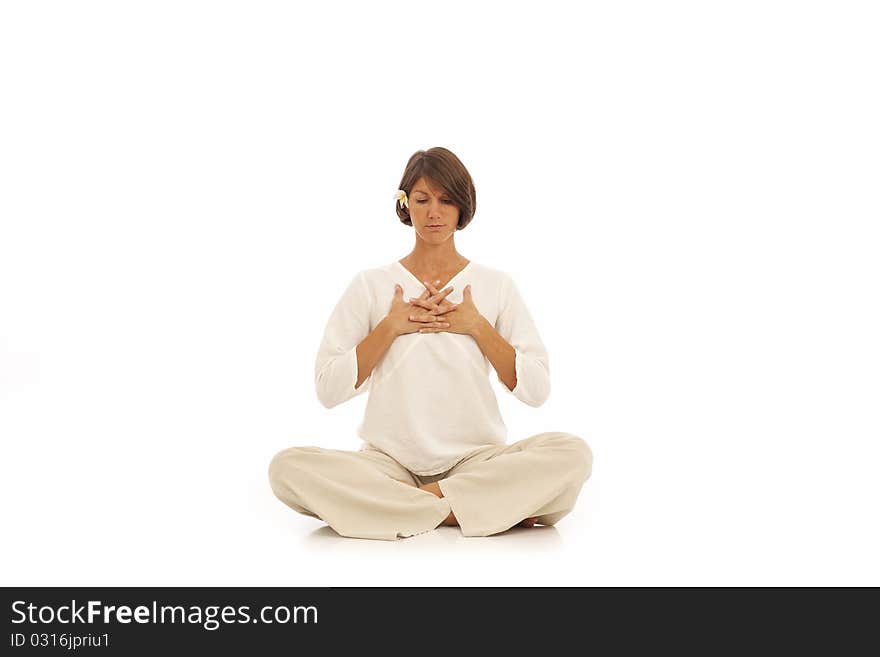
435 225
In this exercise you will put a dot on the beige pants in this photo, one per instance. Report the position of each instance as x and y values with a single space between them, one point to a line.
360 494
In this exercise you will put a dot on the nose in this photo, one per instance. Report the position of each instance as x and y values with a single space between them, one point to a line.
434 210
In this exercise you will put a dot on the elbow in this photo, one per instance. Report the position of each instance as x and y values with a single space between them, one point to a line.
326 393
326 400
531 380
332 396
537 399
326 384
533 396
335 378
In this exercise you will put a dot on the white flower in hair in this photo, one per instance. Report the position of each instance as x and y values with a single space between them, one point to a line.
400 196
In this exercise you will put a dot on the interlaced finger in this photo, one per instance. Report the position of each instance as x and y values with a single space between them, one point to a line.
424 318
429 321
434 302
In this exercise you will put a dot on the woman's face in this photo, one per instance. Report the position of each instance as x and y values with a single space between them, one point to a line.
432 212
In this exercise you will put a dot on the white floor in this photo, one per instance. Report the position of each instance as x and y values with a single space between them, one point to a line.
153 515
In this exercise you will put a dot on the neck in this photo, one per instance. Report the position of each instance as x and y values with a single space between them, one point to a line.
434 258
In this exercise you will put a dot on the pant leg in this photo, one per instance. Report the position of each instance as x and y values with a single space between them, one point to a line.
359 494
496 487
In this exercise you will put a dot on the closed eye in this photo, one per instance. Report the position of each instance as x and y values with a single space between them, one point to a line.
424 201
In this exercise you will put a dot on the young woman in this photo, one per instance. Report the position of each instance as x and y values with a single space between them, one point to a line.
422 335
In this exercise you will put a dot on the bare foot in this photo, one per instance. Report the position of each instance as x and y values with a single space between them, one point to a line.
434 487
451 520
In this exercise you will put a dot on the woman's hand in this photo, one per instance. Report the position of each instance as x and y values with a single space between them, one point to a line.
432 301
398 317
461 317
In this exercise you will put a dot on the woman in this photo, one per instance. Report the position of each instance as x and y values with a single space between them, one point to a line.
421 335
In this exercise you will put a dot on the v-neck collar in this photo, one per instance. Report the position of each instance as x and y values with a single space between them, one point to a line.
422 283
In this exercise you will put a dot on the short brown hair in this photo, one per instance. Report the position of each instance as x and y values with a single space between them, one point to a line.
443 169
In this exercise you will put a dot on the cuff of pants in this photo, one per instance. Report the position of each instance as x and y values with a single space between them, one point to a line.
472 520
442 509
432 511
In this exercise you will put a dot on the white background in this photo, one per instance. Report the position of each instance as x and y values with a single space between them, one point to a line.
686 194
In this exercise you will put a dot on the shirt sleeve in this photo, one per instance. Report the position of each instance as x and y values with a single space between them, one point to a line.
336 365
532 365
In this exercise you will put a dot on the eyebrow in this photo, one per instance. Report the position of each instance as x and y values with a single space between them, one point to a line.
419 191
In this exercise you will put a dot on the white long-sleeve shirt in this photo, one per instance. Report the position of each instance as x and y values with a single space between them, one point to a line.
430 398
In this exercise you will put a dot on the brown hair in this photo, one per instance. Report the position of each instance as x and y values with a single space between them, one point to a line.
442 169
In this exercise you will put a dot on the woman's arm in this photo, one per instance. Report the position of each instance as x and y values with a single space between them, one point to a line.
396 323
372 348
498 351
531 366
513 345
336 365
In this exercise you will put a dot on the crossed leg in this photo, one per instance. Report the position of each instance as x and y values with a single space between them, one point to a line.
357 493
492 489
497 487
451 520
